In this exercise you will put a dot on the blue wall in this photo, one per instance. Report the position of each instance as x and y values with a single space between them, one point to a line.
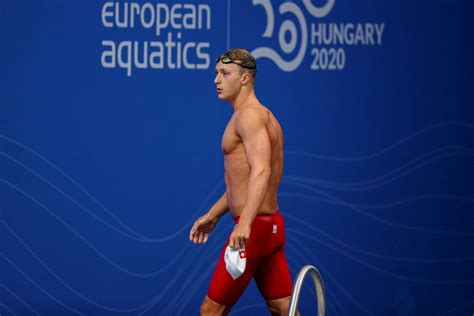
105 165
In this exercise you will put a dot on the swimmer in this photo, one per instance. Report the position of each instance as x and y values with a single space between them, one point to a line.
252 145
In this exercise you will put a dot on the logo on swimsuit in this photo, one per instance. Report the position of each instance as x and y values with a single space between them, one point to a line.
316 34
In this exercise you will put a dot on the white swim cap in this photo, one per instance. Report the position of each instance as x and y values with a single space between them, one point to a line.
235 261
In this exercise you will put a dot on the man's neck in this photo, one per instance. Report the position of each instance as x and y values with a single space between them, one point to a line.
244 99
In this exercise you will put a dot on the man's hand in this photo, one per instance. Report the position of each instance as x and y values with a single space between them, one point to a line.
202 228
239 236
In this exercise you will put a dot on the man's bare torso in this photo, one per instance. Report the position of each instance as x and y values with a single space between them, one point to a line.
237 169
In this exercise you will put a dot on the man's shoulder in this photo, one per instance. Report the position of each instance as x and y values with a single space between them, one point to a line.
254 113
251 119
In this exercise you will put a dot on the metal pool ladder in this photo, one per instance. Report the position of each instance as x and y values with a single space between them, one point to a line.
318 284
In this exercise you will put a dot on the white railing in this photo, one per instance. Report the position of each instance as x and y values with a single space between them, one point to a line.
318 284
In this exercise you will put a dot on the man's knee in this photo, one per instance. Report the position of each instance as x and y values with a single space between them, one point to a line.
209 307
279 306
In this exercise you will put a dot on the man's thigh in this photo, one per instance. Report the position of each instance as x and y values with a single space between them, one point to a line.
223 289
273 277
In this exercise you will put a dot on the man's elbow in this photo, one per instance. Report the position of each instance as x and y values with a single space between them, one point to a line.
264 172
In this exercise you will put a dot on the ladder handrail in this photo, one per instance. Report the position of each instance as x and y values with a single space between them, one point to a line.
318 284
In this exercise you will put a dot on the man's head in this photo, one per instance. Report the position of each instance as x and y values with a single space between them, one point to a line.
236 69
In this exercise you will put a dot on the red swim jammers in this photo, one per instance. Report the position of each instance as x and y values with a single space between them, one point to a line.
266 263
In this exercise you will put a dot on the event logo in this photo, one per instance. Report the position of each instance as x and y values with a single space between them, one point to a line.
161 20
326 40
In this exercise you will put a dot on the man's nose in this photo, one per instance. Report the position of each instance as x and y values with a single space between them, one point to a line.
217 79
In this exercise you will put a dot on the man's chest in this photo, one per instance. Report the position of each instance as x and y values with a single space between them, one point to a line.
230 139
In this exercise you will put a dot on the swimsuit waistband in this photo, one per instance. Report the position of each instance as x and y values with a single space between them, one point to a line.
260 215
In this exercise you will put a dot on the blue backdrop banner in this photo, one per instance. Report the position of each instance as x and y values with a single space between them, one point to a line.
110 132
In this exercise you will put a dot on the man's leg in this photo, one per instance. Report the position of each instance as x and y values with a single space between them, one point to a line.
274 282
223 290
209 307
280 306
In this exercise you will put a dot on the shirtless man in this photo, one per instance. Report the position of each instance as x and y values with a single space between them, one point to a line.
252 145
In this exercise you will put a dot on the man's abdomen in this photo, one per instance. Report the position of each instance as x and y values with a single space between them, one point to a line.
237 174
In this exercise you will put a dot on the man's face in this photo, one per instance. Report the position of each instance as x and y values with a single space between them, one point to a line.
227 81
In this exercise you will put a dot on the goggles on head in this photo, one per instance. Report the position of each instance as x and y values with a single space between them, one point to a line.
248 64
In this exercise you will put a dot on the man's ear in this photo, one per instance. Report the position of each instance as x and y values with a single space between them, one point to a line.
245 79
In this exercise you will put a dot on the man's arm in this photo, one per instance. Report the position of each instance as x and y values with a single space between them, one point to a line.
220 207
251 127
205 224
